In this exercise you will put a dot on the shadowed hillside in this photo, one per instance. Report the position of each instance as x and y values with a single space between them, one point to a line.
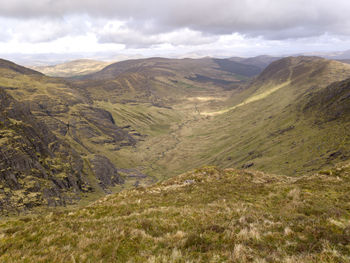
259 61
42 161
36 167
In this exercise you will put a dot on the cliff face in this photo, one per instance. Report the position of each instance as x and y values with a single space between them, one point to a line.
43 156
35 166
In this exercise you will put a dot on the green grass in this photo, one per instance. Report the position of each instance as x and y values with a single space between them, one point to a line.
207 215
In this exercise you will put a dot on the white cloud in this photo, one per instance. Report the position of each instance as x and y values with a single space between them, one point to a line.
174 27
119 32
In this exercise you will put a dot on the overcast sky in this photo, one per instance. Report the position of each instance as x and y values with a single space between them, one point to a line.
118 29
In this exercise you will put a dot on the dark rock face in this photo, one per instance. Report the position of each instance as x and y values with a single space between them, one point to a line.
104 121
35 166
105 171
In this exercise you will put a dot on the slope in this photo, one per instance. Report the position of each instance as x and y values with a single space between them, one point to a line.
100 125
265 128
207 215
269 128
162 81
155 118
35 166
44 160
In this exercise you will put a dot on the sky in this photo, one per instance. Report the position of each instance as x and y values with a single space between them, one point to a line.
58 30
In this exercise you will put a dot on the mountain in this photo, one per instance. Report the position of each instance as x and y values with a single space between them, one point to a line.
72 68
266 127
260 123
205 215
136 125
42 125
103 116
158 81
259 61
141 121
36 167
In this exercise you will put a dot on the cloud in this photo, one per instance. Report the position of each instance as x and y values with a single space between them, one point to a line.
41 29
174 27
273 19
118 32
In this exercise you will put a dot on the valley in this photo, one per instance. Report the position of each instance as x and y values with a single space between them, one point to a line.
152 119
169 160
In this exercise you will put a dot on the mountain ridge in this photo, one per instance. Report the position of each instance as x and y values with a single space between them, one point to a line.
148 119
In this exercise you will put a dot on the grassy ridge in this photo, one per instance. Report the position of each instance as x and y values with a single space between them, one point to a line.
207 215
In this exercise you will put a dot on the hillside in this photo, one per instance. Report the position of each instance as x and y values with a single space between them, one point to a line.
102 128
270 129
266 127
41 157
72 68
163 81
36 167
142 121
207 215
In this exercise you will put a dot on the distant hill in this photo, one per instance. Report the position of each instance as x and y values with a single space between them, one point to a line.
164 81
72 68
259 61
337 55
347 61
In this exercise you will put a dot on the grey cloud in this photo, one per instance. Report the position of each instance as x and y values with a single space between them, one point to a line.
131 39
271 18
138 39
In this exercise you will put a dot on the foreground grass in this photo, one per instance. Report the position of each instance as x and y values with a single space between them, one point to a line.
208 215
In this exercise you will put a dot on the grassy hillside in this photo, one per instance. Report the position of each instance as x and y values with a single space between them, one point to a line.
207 215
155 118
103 121
266 128
72 68
43 159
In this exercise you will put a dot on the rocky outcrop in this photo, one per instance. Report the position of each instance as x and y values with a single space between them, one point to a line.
105 171
35 166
